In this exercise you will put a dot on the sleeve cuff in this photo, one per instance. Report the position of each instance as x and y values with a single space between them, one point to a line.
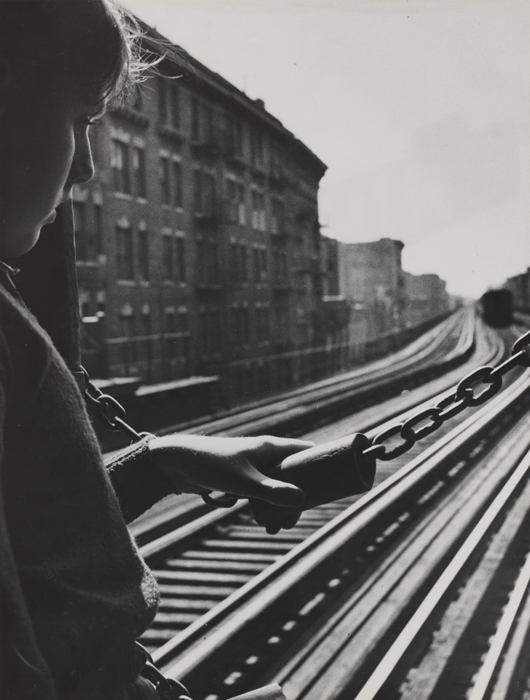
136 480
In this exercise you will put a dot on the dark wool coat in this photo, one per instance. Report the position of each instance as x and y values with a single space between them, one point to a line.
75 592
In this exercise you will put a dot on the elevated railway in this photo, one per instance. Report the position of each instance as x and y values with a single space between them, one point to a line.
366 596
297 412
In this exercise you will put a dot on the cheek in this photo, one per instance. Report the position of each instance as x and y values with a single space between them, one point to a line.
55 157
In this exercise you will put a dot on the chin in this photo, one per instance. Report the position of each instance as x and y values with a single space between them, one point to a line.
21 245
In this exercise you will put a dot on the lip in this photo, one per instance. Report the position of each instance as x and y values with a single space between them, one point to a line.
51 218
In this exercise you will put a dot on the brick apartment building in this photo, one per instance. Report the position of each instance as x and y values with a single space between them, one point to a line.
198 242
519 285
384 299
425 297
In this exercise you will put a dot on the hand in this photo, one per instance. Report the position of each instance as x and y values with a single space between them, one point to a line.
240 466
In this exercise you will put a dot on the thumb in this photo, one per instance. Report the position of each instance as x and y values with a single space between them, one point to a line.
279 493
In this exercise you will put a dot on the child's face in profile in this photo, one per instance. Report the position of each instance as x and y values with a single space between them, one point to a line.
44 151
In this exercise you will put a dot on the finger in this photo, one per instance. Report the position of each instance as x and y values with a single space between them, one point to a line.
282 524
271 451
282 447
278 493
273 518
273 529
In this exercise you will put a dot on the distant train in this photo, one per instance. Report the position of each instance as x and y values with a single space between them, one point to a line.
496 308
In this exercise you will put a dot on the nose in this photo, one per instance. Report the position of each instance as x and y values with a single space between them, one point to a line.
82 168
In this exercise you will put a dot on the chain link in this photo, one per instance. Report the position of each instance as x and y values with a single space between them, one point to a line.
108 410
450 406
113 416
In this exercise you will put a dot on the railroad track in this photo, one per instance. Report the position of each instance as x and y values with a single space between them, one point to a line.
446 346
182 559
305 577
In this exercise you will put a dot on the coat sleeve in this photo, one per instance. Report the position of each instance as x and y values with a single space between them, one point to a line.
136 480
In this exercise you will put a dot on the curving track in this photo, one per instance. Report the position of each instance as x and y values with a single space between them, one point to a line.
303 606
295 413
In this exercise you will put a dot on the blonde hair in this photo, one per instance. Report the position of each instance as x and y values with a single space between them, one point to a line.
96 41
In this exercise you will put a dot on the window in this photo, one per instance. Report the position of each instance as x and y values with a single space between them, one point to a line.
256 149
258 210
143 254
235 195
243 263
162 100
164 180
234 137
262 324
260 265
101 302
234 324
197 191
138 167
208 194
210 328
208 272
245 325
204 193
168 250
120 166
280 319
174 105
124 253
233 261
195 120
277 217
177 183
208 119
276 165
231 198
264 264
242 212
279 267
171 338
181 259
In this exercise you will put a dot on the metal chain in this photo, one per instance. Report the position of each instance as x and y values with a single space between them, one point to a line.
108 410
113 416
463 397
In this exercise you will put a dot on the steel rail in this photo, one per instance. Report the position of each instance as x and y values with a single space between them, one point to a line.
178 534
161 523
311 557
320 400
412 629
499 643
256 418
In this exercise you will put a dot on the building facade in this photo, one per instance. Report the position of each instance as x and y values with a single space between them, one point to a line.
386 302
425 298
372 280
198 242
519 285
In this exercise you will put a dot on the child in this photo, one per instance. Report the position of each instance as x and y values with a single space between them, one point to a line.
75 593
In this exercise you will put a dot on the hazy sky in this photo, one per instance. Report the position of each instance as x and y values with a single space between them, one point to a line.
420 109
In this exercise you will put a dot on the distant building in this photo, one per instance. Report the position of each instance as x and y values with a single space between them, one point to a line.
336 308
372 280
519 285
198 241
425 298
